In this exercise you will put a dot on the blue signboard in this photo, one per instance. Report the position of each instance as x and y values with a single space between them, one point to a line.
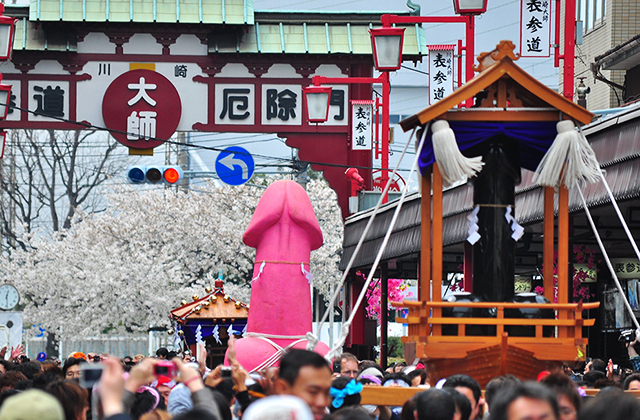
234 165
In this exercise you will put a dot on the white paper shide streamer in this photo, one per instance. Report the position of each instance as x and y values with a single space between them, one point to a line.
472 234
569 161
453 165
517 230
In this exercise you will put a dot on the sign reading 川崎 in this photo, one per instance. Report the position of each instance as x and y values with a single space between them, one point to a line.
440 72
535 28
142 107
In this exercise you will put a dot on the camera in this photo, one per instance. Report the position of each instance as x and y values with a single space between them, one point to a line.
627 336
90 374
225 372
165 368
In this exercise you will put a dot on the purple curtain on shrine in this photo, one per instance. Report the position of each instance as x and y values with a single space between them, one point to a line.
533 138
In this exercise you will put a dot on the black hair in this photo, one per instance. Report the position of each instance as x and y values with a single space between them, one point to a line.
533 390
196 414
350 413
7 365
629 379
72 361
462 403
350 400
47 377
223 405
162 352
225 388
23 385
592 377
497 384
560 384
408 409
29 369
435 404
144 402
418 372
611 404
396 376
599 365
465 381
295 360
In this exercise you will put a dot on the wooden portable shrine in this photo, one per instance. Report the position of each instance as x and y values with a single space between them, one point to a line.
509 104
215 313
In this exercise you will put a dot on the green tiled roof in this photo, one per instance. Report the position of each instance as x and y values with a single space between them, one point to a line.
312 38
31 36
233 12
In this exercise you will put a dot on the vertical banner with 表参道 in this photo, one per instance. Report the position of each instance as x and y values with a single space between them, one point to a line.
361 124
535 28
440 71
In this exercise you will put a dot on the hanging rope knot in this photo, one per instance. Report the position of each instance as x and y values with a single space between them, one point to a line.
312 341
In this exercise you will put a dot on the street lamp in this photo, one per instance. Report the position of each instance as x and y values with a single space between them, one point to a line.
386 44
7 26
5 97
317 100
470 7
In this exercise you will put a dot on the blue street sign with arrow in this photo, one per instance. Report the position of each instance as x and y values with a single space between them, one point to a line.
234 165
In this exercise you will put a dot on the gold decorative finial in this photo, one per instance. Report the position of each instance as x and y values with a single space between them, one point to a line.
503 49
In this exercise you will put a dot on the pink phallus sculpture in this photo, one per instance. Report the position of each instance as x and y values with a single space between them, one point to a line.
284 230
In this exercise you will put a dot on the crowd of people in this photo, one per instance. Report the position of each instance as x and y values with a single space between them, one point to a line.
304 387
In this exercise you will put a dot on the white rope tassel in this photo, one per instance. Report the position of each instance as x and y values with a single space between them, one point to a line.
570 151
453 165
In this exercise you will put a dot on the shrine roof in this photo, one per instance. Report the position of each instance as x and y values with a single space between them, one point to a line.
265 32
231 12
526 100
214 305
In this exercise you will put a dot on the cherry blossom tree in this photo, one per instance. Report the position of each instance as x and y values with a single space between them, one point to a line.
122 270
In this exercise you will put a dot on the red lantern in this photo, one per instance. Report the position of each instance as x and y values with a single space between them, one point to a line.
470 7
387 48
7 31
317 99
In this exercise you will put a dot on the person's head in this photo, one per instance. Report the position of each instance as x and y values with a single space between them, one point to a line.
73 398
146 400
71 368
592 377
463 406
284 407
10 379
5 366
569 400
196 414
162 353
417 376
396 380
307 375
31 405
47 377
345 392
525 401
611 404
348 365
495 386
164 387
434 404
632 382
596 365
156 414
398 367
468 387
350 413
29 369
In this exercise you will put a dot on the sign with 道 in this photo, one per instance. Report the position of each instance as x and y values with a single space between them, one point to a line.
440 72
535 28
361 125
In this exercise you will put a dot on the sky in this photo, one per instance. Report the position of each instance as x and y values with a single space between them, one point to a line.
500 22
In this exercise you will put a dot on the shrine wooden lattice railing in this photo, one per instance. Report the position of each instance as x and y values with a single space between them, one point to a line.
552 338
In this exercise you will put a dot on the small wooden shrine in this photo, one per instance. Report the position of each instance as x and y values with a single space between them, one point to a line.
216 315
511 124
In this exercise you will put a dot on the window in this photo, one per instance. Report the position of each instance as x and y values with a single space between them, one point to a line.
591 13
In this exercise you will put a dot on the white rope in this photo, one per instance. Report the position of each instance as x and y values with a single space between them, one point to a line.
614 202
606 258
280 351
312 346
345 328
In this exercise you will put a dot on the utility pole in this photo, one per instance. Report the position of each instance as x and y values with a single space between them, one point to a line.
183 159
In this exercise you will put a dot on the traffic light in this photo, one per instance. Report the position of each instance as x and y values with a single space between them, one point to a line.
154 174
